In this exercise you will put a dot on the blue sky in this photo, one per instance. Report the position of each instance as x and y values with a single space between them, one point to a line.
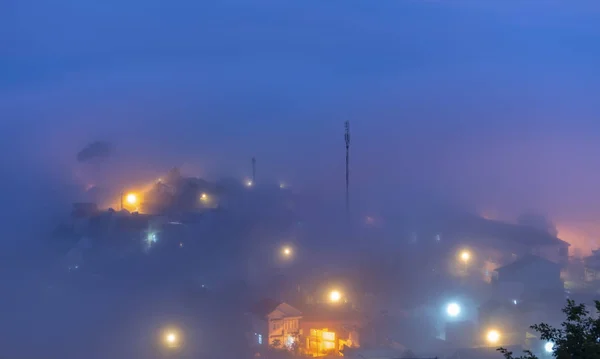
492 102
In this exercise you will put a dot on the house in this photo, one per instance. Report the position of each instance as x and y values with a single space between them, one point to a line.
272 323
506 318
284 326
257 327
525 292
468 245
329 331
514 321
316 331
504 242
536 278
592 266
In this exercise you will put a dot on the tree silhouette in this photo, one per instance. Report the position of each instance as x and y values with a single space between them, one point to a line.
579 337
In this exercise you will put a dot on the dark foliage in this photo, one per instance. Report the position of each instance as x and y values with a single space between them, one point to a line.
577 339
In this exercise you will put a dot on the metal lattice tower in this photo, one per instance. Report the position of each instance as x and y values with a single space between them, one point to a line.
347 139
253 169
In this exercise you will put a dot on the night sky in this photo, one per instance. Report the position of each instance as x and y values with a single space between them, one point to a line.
493 103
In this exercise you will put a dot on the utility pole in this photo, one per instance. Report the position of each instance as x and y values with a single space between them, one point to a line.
347 138
253 170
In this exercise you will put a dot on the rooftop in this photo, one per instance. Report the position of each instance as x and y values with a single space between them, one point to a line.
287 310
525 261
267 306
479 227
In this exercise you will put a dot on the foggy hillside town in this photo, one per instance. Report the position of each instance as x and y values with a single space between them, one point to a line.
407 179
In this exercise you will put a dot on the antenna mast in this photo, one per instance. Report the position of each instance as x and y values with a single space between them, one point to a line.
253 169
347 139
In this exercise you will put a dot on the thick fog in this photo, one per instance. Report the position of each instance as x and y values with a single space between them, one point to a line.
484 107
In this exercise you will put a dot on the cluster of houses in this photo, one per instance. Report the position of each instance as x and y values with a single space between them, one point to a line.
171 212
522 272
520 269
315 331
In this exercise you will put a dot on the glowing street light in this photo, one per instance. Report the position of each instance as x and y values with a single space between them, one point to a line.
131 198
286 251
465 256
453 310
549 347
493 336
203 197
171 339
335 296
249 183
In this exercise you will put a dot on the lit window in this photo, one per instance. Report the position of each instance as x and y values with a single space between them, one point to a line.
328 345
329 336
260 339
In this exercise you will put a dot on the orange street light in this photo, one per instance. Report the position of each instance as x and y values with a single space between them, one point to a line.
131 198
465 256
335 296
493 336
171 339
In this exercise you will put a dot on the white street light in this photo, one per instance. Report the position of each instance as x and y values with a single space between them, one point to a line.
453 310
